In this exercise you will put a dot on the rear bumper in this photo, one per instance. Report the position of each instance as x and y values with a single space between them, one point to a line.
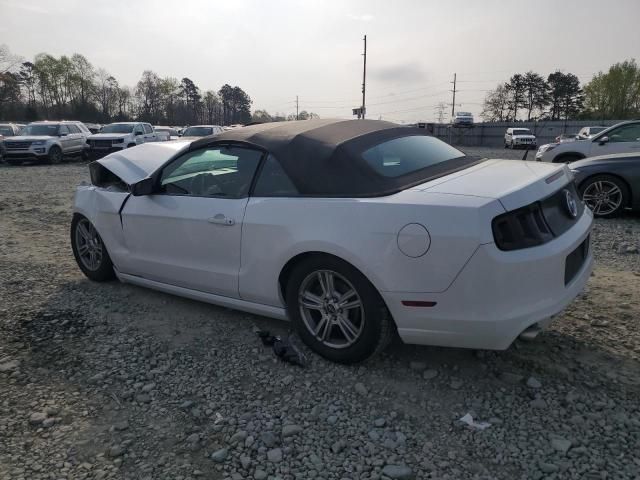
497 295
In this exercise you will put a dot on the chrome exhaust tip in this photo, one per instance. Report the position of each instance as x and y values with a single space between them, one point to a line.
530 333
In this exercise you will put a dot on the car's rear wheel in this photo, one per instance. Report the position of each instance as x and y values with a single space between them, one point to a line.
55 155
606 195
89 250
336 311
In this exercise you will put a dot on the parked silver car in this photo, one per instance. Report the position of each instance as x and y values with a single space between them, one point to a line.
47 142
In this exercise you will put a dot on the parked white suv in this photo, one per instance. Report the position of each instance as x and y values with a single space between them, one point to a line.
49 142
621 138
463 119
519 138
121 135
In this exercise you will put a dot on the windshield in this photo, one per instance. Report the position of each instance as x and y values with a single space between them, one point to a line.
117 128
405 155
521 131
198 131
7 131
41 129
463 114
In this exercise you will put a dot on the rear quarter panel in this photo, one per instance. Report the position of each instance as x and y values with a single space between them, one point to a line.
364 233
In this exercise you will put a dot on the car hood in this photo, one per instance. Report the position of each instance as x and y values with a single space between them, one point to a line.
513 182
32 138
532 137
108 136
134 164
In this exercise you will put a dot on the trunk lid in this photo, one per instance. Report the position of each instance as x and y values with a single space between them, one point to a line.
514 183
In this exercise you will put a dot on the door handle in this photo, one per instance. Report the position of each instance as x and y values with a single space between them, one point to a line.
221 219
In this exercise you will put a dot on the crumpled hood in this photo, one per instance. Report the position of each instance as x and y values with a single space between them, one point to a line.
513 182
133 164
108 136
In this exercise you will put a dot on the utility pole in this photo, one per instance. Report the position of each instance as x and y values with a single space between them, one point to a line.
364 77
453 108
297 114
453 103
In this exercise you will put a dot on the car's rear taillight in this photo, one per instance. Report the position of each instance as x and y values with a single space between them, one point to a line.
539 222
521 228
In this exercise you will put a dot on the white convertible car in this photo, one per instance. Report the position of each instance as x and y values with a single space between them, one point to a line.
351 229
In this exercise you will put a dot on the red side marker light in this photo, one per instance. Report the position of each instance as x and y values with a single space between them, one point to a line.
418 303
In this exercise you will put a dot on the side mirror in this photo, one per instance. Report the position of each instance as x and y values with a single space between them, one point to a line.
62 135
143 187
603 140
138 133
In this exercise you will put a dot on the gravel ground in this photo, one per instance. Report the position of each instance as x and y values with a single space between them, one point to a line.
113 381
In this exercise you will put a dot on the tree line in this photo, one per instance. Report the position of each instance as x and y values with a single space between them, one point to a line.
71 87
560 96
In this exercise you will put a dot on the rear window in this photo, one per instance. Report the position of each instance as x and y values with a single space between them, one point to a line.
406 155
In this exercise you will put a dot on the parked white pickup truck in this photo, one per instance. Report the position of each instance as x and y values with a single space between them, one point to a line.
118 136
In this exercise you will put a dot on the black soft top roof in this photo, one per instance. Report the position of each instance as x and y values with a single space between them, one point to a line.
323 157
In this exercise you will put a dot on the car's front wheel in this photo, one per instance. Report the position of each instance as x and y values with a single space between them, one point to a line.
89 250
605 195
336 311
55 155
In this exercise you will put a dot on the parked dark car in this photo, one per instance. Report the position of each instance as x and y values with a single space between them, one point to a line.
609 184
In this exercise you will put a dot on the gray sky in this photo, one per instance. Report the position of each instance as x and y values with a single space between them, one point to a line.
277 49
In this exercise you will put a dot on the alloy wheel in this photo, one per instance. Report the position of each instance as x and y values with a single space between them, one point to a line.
89 245
331 308
602 197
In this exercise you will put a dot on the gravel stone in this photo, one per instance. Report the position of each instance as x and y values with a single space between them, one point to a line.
291 430
274 455
533 382
361 389
397 471
429 374
219 456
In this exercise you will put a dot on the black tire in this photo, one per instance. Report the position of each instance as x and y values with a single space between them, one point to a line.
604 179
55 155
104 269
568 158
377 324
14 162
85 154
131 145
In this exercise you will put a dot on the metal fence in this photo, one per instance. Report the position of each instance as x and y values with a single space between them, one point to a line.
492 134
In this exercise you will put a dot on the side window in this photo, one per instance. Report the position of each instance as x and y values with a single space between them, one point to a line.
72 128
63 130
147 128
626 133
221 172
138 129
273 181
